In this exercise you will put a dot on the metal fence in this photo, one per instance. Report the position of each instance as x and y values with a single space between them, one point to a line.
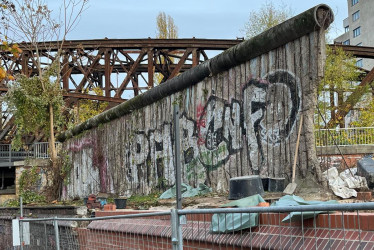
342 226
35 150
345 136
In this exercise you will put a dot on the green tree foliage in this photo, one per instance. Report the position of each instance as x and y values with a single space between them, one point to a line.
86 109
341 76
30 100
366 115
32 21
265 18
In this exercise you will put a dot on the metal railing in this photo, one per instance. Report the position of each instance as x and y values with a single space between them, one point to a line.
342 226
345 136
35 150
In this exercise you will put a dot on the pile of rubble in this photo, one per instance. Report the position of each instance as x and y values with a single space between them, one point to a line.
344 184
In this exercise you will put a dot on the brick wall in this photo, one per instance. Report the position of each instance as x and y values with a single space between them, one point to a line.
328 161
337 230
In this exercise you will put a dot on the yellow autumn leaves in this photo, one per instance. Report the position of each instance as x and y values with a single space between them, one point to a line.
13 49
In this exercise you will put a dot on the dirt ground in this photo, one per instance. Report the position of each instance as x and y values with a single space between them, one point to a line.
308 190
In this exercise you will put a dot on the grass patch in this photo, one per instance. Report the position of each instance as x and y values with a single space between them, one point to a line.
143 201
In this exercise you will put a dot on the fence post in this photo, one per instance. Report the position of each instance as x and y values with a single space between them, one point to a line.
178 174
57 237
176 231
20 221
10 152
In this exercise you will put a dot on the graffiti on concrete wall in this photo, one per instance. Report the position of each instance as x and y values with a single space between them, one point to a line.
220 129
262 116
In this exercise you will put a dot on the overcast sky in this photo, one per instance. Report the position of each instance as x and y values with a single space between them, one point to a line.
194 18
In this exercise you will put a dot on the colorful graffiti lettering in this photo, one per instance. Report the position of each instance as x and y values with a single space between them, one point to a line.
220 127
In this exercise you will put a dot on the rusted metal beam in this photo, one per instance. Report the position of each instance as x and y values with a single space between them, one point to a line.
150 68
217 44
357 51
108 71
93 97
129 74
180 63
351 101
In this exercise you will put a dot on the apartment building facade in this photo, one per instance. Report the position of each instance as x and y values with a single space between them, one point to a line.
358 27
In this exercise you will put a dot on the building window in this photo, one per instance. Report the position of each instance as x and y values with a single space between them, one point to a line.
346 29
355 16
359 44
354 2
359 63
346 42
357 32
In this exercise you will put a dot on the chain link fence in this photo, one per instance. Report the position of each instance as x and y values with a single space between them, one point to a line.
340 226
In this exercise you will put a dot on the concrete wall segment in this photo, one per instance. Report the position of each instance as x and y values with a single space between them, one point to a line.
234 122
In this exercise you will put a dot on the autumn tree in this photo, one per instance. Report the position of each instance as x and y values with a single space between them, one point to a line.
166 29
366 115
265 18
36 102
340 78
5 47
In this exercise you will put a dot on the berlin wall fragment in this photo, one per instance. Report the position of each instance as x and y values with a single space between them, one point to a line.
239 114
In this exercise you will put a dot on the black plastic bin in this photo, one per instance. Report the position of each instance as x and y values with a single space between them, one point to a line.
120 203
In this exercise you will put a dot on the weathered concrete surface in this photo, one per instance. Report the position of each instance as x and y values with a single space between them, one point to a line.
241 121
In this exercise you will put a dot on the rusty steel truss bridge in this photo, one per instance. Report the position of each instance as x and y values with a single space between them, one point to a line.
116 66
122 68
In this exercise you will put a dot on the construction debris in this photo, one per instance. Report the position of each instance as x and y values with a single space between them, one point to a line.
345 183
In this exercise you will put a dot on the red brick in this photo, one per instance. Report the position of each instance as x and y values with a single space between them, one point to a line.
369 246
364 196
369 236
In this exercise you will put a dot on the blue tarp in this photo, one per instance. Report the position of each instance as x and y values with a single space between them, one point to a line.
293 200
229 222
187 191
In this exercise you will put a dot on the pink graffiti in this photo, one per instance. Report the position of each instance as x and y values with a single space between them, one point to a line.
200 123
78 146
98 161
263 81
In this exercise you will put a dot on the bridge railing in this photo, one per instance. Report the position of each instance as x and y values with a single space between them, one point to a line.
345 136
35 150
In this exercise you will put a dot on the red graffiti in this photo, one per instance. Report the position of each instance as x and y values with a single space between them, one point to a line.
200 123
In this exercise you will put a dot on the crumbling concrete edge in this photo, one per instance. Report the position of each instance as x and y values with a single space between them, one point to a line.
320 16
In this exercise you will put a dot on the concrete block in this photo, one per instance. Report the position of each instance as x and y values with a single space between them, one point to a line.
244 186
82 210
276 184
365 168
